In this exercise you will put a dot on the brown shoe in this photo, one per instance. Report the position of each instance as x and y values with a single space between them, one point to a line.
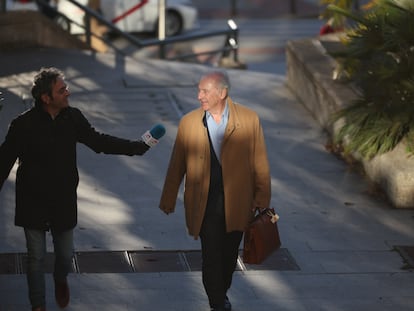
62 293
39 309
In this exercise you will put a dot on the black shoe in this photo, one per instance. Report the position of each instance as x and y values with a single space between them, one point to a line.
217 309
227 304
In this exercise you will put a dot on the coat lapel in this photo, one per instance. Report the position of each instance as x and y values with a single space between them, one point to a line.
233 122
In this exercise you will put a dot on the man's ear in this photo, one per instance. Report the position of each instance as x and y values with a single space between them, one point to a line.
45 98
224 93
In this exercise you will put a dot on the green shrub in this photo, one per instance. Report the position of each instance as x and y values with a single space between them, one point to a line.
378 57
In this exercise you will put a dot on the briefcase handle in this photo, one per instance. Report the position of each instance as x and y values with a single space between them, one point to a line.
269 212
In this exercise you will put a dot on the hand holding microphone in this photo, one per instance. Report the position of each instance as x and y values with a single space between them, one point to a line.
149 139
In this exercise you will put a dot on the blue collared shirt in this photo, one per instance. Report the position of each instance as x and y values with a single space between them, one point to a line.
217 130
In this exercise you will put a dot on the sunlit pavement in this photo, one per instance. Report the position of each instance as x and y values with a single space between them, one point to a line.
337 232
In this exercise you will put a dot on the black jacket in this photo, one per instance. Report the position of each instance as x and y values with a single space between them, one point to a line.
47 174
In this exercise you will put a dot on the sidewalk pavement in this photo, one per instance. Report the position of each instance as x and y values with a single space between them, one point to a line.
338 236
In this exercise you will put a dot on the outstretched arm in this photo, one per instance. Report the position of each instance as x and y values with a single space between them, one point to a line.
104 143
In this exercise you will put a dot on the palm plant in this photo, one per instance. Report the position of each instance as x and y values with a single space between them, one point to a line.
379 57
335 19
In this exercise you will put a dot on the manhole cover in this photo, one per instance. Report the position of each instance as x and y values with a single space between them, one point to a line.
103 262
158 262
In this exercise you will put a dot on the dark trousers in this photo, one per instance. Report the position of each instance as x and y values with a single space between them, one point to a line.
219 253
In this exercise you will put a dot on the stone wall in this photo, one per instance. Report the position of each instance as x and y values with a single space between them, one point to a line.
310 77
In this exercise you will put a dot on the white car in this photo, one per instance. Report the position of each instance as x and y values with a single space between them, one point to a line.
12 5
135 15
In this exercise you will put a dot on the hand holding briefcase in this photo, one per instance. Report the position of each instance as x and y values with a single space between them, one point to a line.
261 237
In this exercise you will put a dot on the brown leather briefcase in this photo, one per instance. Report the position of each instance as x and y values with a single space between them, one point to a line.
261 238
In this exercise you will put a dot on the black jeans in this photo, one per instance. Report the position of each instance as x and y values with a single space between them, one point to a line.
219 254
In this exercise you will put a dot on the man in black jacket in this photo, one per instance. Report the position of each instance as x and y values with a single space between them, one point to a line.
44 140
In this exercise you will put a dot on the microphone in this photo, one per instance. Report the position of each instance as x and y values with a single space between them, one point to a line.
151 137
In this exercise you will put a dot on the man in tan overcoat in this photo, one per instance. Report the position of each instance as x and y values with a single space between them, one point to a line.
220 150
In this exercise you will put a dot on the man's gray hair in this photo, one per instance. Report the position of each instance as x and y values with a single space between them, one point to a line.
221 78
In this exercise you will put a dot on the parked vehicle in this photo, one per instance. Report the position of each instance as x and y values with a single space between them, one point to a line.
12 5
133 15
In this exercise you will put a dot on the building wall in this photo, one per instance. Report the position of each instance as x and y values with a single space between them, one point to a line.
26 29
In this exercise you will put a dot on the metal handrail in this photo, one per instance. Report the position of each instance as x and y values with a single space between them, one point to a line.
230 44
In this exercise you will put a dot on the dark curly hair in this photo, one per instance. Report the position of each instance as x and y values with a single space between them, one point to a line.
43 83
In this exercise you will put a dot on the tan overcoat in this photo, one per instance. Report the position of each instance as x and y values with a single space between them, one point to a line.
245 168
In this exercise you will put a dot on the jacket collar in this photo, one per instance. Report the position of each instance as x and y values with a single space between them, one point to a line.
233 121
63 113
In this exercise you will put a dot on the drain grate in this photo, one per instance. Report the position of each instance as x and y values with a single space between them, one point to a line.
140 262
